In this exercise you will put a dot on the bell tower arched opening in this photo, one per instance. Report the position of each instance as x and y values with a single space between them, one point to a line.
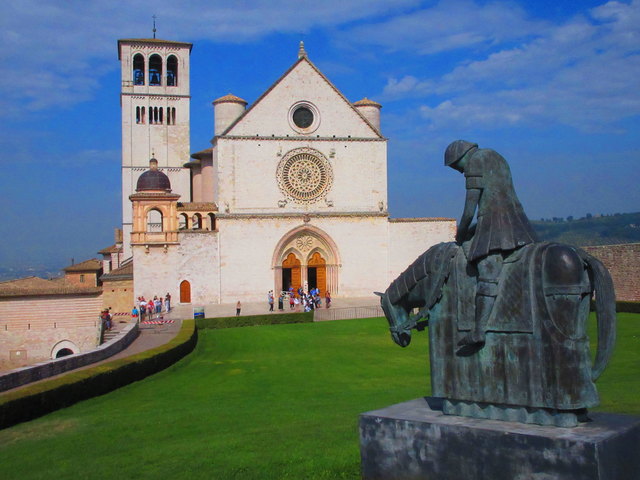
155 70
138 69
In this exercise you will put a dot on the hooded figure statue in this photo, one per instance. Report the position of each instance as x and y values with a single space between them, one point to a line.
501 228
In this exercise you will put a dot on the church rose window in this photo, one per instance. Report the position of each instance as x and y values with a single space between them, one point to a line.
304 175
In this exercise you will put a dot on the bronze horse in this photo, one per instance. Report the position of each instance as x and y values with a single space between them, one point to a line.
535 365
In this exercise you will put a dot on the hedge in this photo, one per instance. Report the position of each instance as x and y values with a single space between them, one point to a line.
622 306
254 320
47 396
628 307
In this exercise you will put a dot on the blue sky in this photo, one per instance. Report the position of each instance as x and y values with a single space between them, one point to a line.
551 85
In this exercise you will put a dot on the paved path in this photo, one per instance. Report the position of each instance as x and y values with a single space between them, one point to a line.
257 308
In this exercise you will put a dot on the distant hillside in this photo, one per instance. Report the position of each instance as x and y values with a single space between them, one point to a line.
600 230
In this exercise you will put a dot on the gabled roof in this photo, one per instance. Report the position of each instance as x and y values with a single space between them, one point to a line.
111 249
282 77
125 272
91 265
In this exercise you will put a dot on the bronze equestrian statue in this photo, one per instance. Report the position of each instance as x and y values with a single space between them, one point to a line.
507 315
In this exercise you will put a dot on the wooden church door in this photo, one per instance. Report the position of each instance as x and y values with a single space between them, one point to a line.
317 263
185 292
291 273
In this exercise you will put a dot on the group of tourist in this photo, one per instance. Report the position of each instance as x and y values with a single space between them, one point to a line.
308 301
150 309
105 318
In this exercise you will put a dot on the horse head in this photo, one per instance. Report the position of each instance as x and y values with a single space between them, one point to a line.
400 324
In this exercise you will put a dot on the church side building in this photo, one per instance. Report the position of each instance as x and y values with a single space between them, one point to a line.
292 191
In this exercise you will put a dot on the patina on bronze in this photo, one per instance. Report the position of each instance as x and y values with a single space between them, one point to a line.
507 314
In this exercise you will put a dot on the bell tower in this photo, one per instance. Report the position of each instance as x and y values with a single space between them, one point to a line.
155 101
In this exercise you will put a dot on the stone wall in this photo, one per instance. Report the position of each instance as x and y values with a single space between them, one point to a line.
34 328
410 237
118 295
623 262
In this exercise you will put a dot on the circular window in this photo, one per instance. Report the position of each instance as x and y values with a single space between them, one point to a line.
304 117
304 175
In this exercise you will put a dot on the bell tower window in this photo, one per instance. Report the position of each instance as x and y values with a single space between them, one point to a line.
138 69
172 71
155 70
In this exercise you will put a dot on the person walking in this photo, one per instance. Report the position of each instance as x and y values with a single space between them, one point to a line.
270 300
238 308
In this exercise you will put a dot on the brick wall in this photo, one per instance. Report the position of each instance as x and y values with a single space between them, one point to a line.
623 262
118 295
32 326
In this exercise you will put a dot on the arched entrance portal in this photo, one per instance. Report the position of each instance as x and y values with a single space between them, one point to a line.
306 257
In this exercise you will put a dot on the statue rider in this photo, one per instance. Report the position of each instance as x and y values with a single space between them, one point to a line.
502 226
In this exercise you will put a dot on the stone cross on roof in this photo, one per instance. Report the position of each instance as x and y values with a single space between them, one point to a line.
301 50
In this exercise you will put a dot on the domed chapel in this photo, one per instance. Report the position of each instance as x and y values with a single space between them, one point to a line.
291 192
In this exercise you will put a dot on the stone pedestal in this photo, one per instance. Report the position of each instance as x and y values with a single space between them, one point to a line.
414 440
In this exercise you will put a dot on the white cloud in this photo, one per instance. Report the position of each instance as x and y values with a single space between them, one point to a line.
58 50
450 25
582 73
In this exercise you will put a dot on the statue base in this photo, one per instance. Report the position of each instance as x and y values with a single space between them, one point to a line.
415 440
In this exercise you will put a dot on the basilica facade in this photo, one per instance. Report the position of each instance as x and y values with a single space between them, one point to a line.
292 191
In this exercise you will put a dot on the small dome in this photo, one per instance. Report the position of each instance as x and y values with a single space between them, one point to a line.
153 179
229 98
365 102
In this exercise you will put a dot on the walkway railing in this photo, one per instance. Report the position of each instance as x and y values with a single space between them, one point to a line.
324 314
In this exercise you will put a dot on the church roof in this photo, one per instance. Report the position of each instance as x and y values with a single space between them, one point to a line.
301 59
124 272
229 98
365 102
91 265
207 152
111 249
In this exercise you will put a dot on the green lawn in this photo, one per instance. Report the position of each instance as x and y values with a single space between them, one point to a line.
266 402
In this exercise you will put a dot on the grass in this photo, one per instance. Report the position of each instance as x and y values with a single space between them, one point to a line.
267 402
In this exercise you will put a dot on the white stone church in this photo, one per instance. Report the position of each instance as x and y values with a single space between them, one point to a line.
292 191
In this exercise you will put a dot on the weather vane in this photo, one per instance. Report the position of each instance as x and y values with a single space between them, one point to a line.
154 26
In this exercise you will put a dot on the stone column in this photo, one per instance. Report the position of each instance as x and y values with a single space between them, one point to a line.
277 281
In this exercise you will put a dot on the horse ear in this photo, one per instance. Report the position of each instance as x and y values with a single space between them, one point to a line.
379 294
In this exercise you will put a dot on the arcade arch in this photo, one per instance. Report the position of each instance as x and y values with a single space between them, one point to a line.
306 257
64 348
